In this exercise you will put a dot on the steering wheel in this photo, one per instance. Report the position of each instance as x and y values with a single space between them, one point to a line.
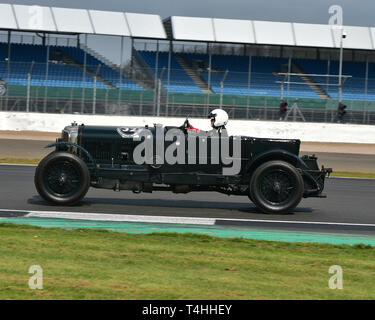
186 125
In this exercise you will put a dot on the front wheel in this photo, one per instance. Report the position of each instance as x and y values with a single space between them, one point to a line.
62 178
276 187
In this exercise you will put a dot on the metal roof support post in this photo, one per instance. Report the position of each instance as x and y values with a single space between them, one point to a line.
209 75
341 63
289 72
169 74
106 100
132 59
84 77
159 92
71 101
8 66
328 76
28 86
141 103
282 90
222 88
366 90
95 87
156 76
121 70
249 86
36 108
46 78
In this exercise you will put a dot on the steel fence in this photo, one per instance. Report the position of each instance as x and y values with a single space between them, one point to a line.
71 88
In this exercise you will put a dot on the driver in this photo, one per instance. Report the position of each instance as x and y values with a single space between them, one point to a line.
219 118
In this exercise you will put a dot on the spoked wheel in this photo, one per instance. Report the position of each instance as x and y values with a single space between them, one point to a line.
62 178
276 187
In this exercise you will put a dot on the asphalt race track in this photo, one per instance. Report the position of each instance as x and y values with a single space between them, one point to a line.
349 208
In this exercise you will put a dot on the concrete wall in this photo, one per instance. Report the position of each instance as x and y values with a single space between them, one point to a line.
314 132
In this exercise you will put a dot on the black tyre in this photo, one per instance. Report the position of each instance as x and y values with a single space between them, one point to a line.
62 178
276 187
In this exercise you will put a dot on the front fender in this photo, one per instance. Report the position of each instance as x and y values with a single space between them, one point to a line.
71 144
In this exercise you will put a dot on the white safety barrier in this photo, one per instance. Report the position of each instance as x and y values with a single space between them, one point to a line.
309 132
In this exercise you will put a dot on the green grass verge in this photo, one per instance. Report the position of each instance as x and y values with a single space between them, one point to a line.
334 174
94 264
19 161
352 174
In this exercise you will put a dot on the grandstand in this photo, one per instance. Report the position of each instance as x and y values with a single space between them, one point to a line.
64 70
263 76
183 65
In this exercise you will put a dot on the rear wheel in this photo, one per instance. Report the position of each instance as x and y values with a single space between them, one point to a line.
62 178
276 187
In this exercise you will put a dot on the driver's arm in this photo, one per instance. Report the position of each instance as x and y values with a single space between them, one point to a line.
188 126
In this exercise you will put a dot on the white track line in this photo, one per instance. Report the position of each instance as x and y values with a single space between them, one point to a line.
301 222
165 219
115 217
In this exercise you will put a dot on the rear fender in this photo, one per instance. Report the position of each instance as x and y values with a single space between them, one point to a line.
313 179
277 154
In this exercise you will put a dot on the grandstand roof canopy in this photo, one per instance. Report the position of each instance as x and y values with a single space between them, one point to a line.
270 33
63 20
150 26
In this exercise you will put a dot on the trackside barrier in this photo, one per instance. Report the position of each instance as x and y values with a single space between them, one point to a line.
309 132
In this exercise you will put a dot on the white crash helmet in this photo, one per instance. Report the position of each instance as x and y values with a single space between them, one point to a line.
220 117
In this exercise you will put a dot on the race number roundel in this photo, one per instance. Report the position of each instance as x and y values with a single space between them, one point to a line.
3 89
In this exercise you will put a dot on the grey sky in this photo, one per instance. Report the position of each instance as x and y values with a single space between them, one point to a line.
356 12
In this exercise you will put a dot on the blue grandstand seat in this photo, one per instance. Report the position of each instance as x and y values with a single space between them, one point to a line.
179 80
60 75
263 79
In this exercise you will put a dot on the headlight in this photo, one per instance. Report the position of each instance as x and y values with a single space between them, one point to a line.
70 134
